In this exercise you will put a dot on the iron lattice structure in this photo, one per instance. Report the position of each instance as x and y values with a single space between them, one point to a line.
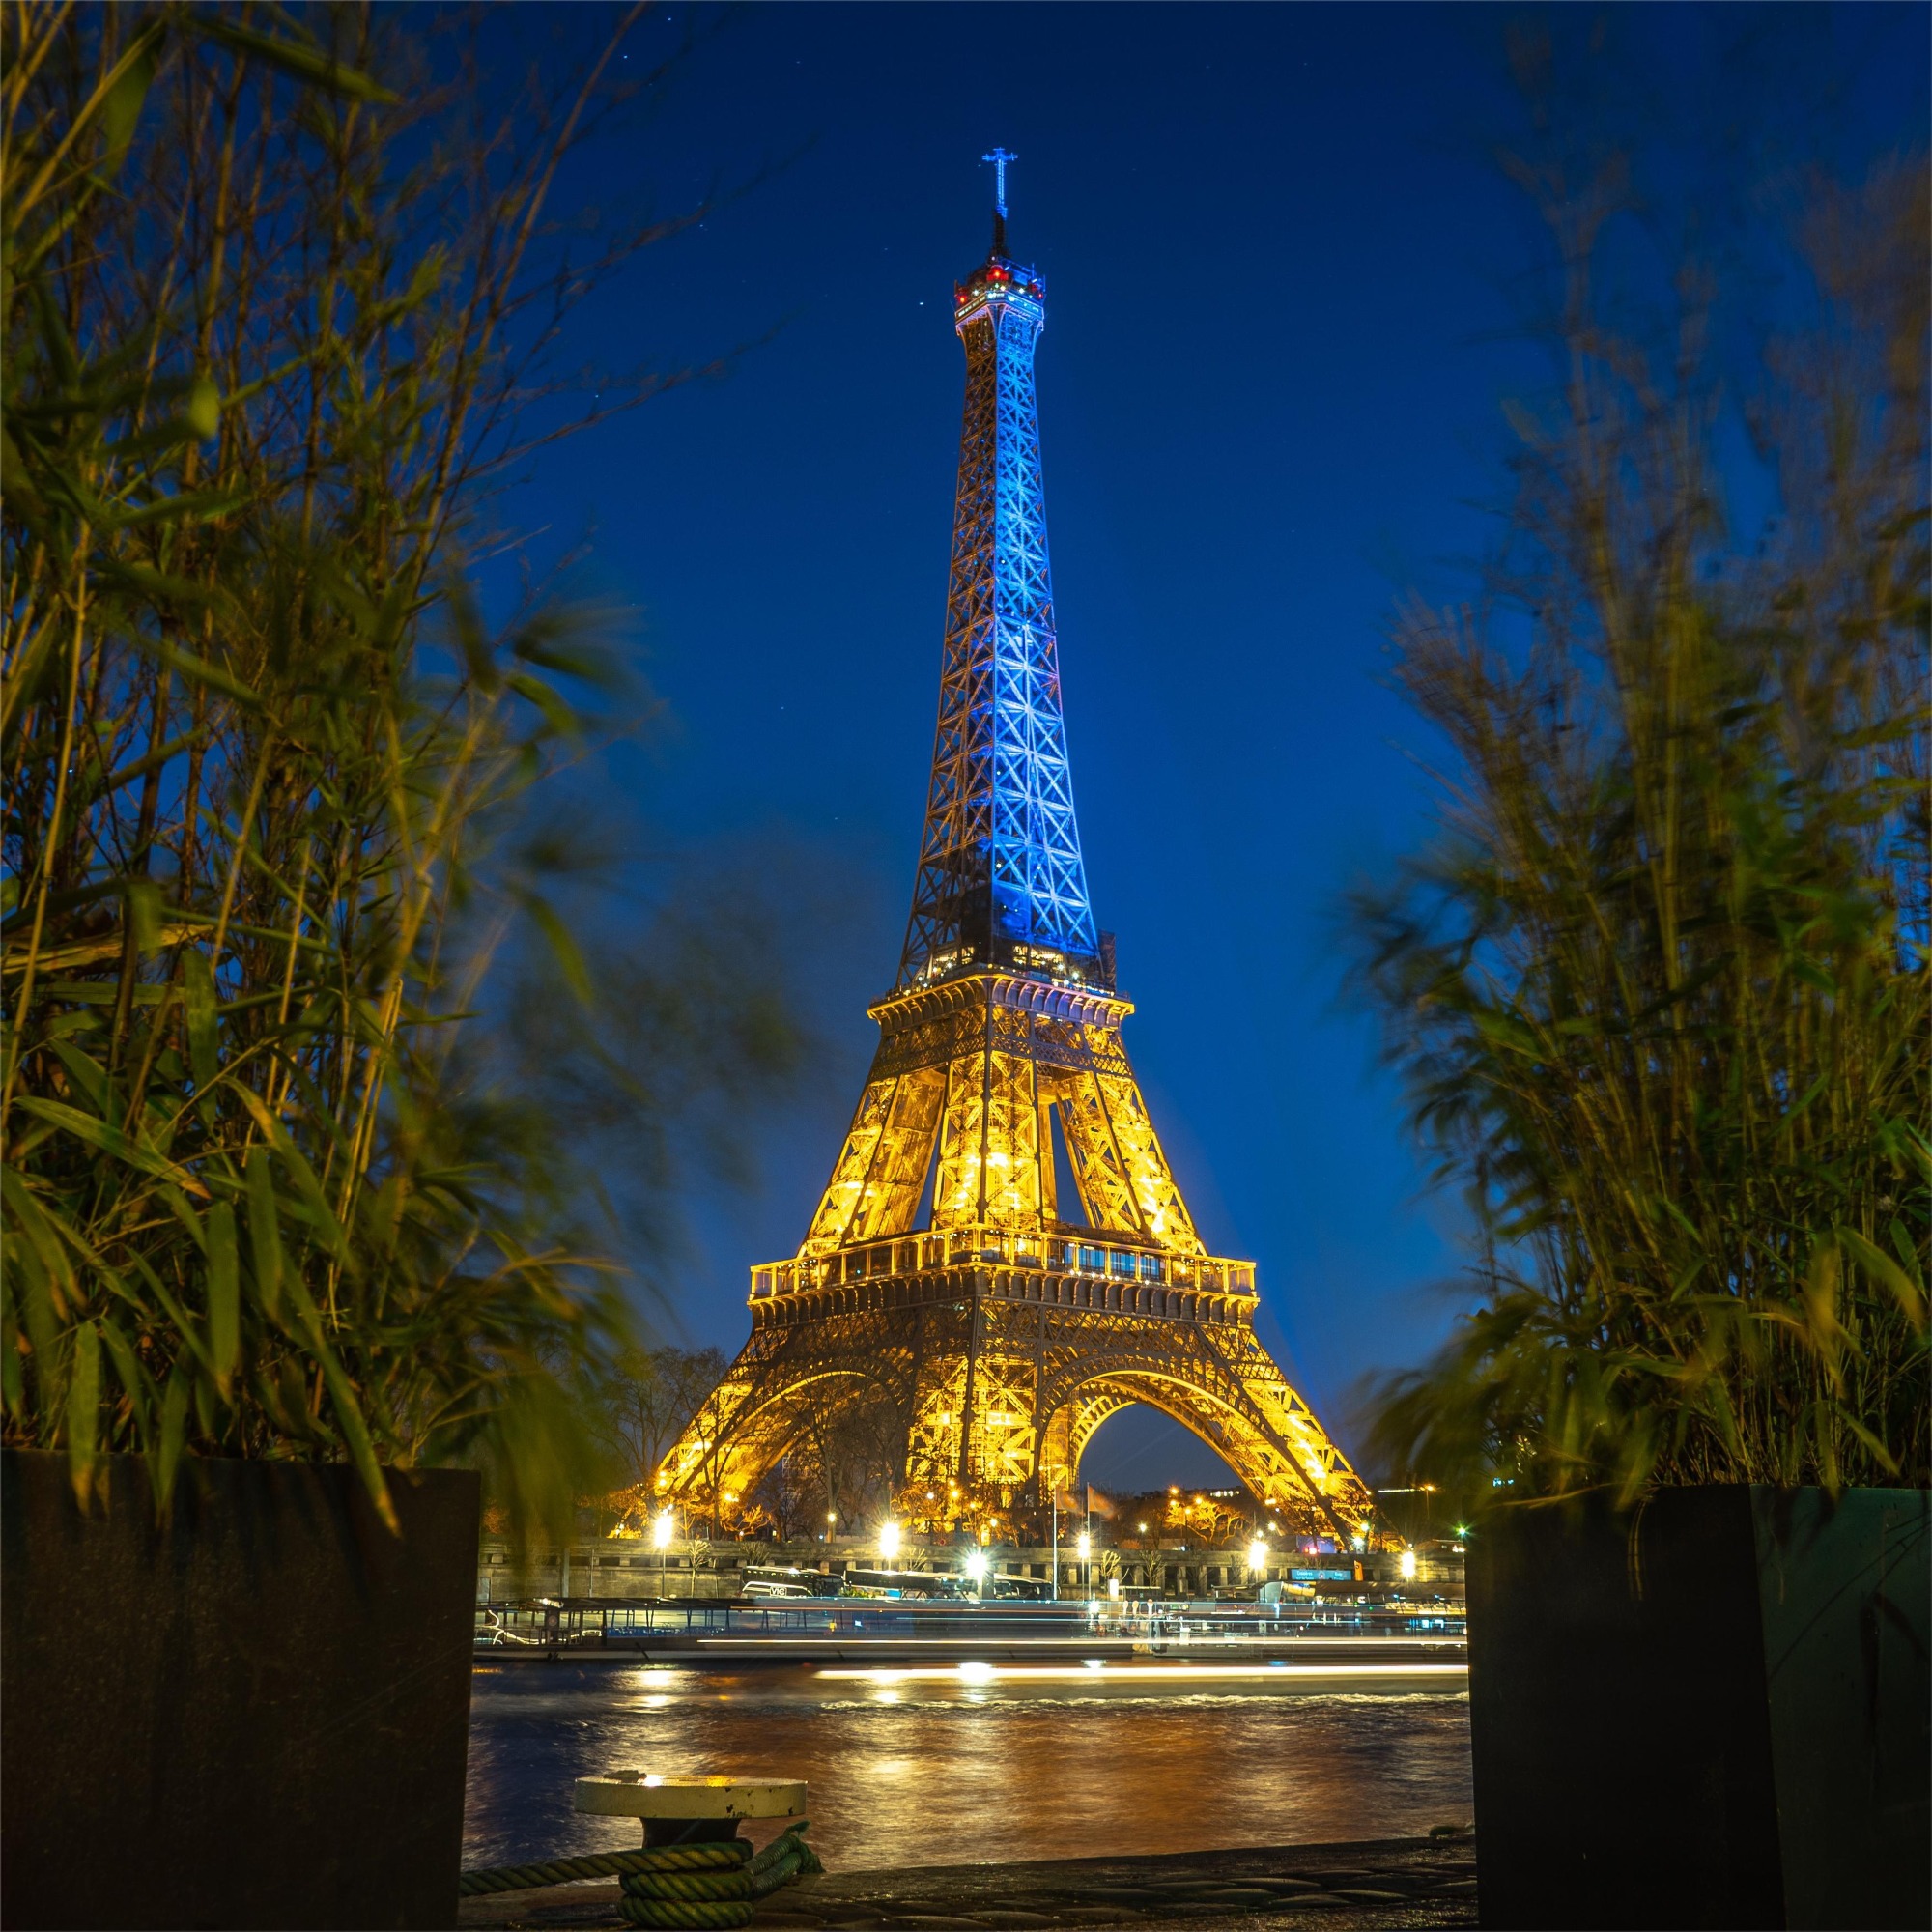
993 1335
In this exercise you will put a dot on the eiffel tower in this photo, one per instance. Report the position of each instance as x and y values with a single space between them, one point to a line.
940 1287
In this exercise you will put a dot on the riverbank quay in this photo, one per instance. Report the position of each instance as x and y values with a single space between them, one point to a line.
1378 1886
1171 1567
1071 1662
861 1633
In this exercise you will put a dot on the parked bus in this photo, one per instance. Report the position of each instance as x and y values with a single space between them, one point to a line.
924 1583
767 1580
1027 1589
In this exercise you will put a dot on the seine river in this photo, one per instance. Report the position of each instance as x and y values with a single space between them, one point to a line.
922 1772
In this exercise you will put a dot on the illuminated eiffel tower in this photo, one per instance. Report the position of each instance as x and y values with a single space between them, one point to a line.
993 1334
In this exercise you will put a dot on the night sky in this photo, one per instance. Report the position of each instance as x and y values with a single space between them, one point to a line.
1281 279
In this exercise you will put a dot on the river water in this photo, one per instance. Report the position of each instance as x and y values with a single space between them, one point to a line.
909 1769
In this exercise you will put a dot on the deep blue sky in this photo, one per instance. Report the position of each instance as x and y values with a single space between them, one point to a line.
1276 262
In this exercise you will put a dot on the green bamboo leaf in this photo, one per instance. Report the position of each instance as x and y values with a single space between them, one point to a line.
316 1210
1879 1266
30 1295
201 1007
348 1409
132 1377
122 110
292 1398
1880 1454
1523 423
355 1439
224 1294
189 1333
183 506
99 786
144 915
54 339
83 1411
45 1249
110 1141
1901 1242
202 414
562 717
172 1435
307 63
1507 1031
265 1230
190 668
165 588
472 639
12 1368
565 948
88 1075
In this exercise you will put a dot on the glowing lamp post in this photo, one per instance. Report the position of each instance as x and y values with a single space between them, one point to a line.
663 1529
888 1543
975 1569
1258 1556
1406 1565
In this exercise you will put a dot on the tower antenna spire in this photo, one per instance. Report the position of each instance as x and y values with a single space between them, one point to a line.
999 157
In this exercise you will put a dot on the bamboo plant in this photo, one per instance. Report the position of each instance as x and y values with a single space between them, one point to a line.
1658 985
275 298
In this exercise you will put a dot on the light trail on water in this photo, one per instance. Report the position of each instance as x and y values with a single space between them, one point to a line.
1174 1676
940 1766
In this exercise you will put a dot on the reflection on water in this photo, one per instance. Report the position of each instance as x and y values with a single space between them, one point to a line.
924 1772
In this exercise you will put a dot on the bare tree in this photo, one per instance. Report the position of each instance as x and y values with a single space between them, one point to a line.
647 1396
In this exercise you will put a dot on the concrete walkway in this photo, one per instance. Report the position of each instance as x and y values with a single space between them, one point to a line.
1363 1888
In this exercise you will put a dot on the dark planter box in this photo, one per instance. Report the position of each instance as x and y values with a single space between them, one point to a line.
256 1716
1715 1711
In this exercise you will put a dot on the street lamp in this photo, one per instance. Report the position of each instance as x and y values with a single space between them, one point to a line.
1406 1565
662 1532
976 1568
1258 1555
889 1541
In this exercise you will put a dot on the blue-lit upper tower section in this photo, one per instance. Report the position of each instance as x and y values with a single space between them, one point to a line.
1001 881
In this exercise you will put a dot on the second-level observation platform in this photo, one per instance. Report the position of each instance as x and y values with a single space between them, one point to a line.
1059 1022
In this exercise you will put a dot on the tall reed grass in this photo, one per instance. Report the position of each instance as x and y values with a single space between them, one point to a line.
1659 987
276 299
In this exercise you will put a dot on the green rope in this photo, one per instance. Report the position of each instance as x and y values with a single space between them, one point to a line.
727 1853
707 1888
688 1884
786 1858
694 1914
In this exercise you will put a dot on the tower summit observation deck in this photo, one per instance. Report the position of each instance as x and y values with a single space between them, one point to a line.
940 1287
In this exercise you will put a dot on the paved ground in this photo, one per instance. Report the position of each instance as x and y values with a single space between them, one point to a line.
1362 1888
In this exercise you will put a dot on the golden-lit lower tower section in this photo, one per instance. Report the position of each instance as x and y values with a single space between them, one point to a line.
998 1336
944 1288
